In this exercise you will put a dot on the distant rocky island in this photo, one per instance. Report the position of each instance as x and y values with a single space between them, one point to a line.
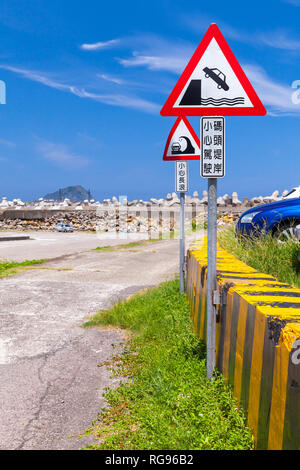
73 193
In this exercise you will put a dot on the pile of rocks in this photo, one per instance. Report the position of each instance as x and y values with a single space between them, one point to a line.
169 201
122 215
83 220
43 204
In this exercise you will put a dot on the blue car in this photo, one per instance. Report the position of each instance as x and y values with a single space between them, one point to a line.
278 218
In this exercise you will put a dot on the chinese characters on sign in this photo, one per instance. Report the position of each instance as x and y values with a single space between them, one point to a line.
213 147
181 177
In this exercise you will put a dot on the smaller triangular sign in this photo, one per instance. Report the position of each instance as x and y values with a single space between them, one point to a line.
213 83
183 143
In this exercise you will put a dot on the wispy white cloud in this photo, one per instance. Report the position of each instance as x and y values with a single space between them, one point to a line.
277 39
109 78
296 3
158 54
121 100
37 77
100 45
169 63
60 155
85 136
130 84
7 143
274 95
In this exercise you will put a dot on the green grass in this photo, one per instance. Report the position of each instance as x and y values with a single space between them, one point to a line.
11 267
126 245
265 254
166 402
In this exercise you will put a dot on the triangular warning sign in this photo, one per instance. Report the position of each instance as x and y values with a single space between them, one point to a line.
213 83
183 143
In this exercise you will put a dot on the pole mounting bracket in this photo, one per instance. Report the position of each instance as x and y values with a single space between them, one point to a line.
219 298
216 297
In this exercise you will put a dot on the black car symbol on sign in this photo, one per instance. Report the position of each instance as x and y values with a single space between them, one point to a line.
176 147
217 76
187 146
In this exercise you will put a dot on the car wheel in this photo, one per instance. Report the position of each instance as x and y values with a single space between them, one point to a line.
286 232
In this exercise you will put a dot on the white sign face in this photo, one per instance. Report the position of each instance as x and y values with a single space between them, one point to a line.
181 177
183 143
213 147
213 83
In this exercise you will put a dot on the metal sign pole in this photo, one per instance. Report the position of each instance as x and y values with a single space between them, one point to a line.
181 186
212 167
211 276
182 243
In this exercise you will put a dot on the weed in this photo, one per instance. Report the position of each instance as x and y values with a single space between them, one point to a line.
266 254
7 267
126 245
166 402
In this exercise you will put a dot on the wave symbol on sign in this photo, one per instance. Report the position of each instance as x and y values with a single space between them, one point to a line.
177 147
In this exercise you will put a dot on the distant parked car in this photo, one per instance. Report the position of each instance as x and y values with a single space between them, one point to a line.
281 219
61 227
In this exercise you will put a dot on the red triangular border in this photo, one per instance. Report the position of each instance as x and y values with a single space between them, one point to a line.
172 132
258 108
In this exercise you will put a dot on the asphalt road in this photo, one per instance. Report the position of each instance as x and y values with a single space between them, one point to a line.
51 387
53 244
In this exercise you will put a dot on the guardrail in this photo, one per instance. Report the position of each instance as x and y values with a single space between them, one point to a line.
258 343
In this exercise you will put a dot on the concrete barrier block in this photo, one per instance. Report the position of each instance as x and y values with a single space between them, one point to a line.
258 343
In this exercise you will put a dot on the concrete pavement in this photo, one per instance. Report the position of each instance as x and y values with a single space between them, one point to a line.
53 244
51 387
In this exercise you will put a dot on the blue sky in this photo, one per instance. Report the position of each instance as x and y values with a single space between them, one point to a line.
86 81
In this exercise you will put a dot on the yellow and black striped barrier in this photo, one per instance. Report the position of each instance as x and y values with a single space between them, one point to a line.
258 343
